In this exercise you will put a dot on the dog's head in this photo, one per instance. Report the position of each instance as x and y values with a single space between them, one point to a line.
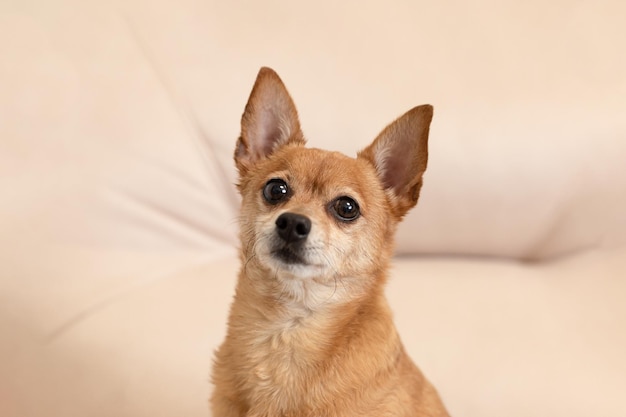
314 215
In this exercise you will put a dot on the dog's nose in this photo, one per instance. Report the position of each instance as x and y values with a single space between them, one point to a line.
292 227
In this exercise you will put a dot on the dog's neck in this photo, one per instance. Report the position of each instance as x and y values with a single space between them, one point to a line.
299 311
283 292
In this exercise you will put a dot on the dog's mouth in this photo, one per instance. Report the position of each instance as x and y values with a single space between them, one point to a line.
289 256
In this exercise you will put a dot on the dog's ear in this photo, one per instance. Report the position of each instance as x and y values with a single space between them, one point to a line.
269 121
400 155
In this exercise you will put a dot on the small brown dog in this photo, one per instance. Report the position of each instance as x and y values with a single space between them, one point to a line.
310 332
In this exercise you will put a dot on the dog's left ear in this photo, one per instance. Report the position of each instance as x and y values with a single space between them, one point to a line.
400 155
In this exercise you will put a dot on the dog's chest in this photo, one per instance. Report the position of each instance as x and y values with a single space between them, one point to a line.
281 356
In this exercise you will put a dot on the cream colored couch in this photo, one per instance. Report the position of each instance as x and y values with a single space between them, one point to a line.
117 205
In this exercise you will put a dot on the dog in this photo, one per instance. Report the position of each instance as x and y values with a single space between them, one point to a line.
310 333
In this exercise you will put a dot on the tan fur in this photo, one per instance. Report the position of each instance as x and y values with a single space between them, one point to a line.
316 338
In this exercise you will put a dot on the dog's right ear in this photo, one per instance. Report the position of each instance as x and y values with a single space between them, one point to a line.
269 121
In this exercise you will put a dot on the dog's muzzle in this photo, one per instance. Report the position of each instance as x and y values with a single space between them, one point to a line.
293 230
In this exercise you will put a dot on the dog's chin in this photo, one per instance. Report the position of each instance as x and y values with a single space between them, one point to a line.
290 263
289 256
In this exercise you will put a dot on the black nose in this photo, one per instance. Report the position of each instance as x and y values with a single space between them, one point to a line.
293 228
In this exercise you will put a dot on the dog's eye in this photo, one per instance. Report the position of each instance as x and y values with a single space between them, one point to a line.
275 191
345 208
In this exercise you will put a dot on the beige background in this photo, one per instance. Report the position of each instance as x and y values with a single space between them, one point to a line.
117 210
